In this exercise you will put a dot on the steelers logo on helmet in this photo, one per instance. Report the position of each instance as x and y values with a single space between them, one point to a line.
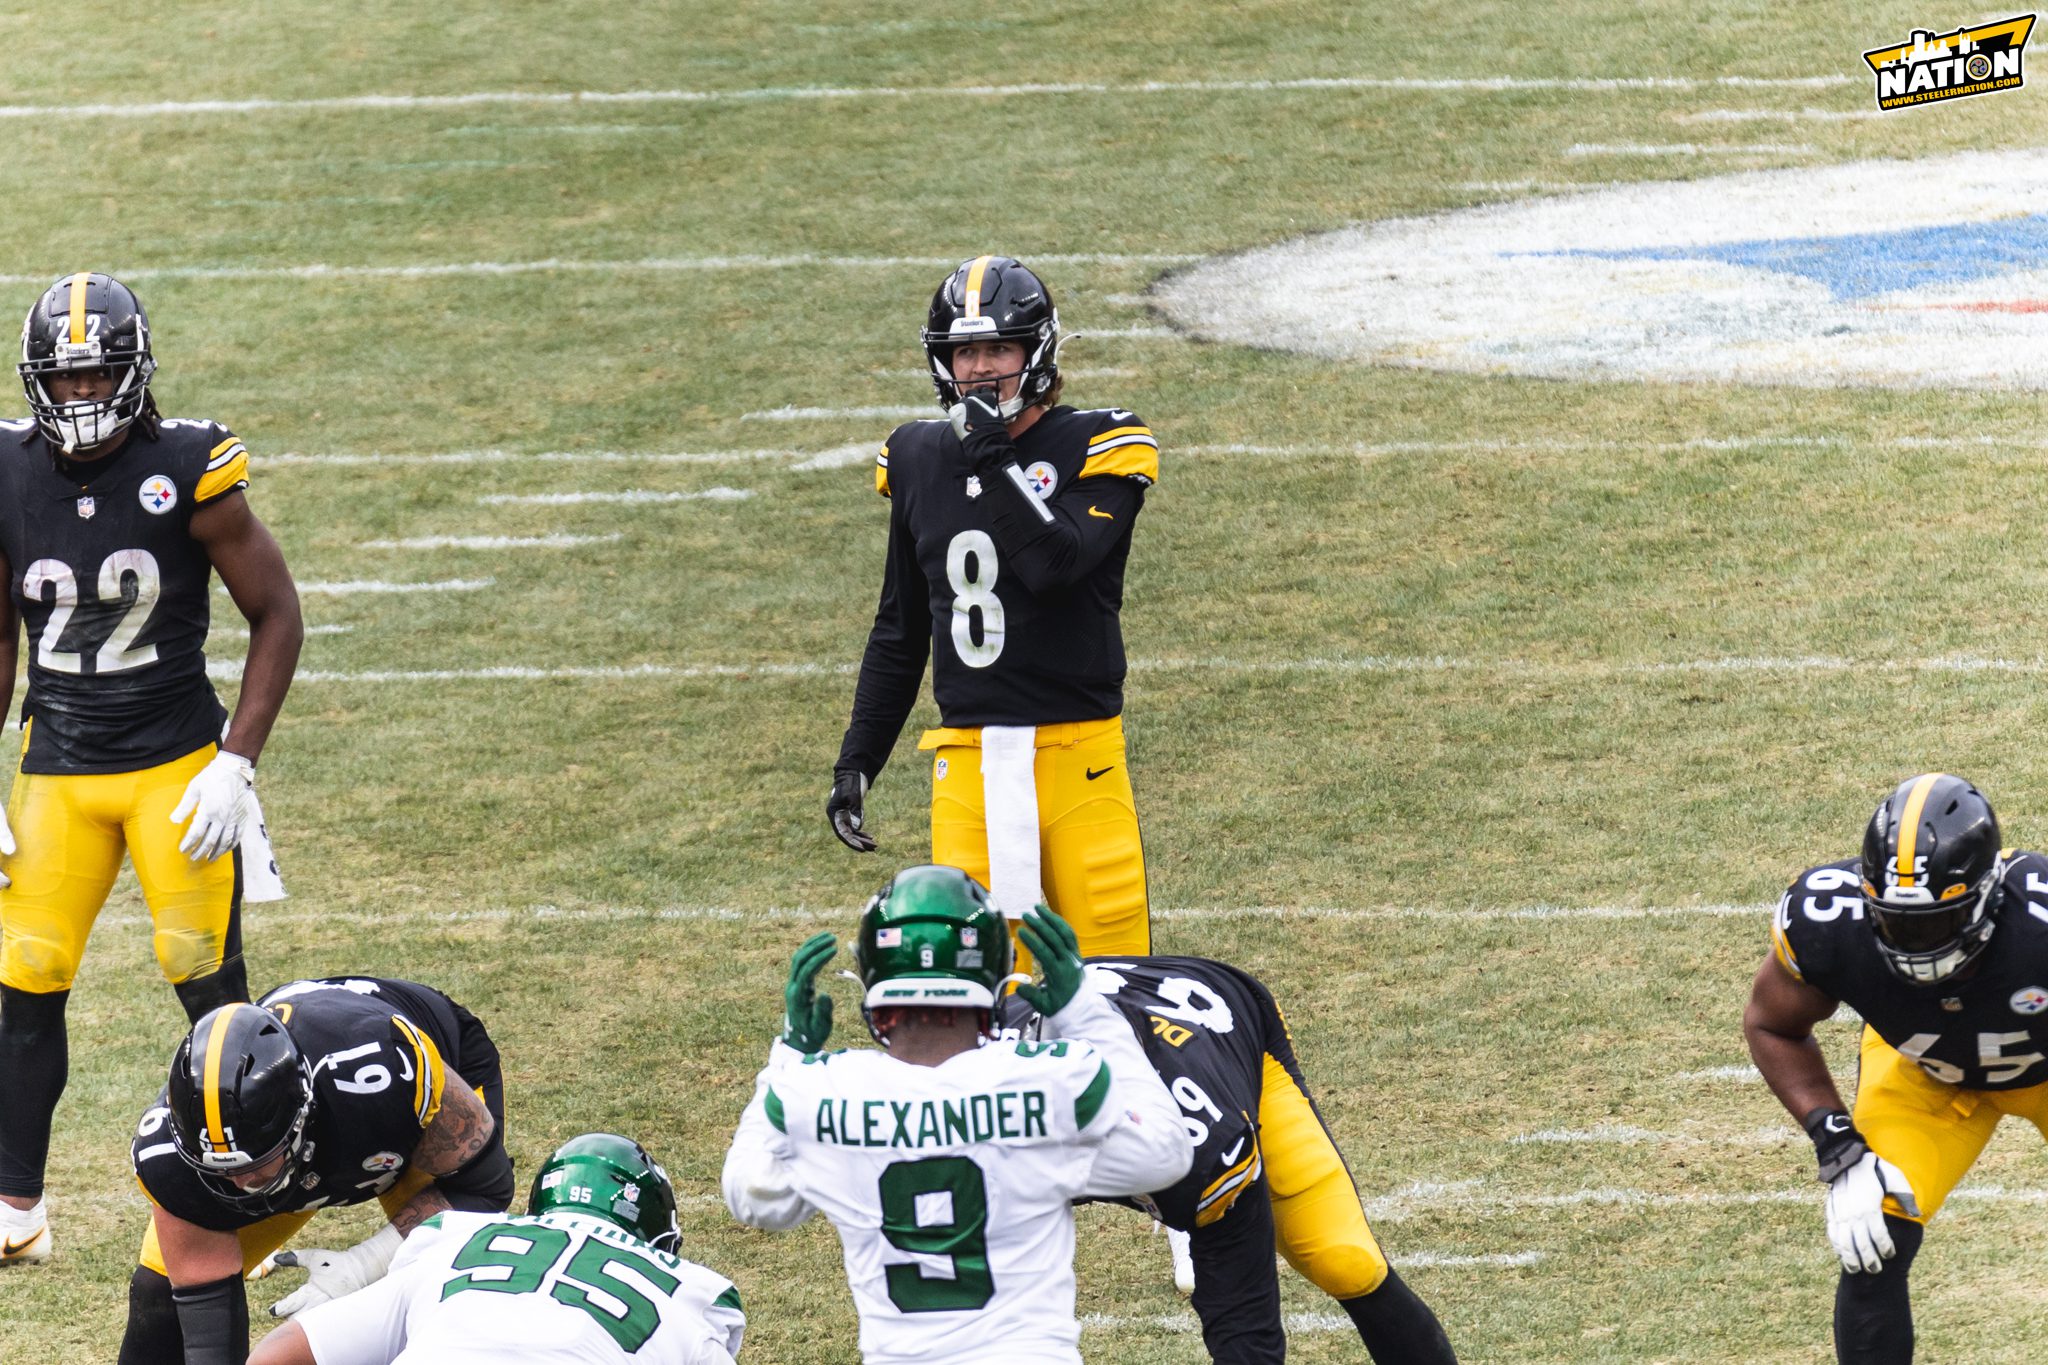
87 323
995 298
1931 867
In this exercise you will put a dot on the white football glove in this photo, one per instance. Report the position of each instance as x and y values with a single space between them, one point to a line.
1856 1212
217 800
331 1274
6 844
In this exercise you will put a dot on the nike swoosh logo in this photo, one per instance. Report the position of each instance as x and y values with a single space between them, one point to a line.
13 1248
1095 511
1094 773
1230 1157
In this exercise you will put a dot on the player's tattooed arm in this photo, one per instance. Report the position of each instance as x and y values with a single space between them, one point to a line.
419 1209
457 1134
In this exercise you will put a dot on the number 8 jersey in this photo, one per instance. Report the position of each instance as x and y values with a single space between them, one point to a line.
113 590
1984 1029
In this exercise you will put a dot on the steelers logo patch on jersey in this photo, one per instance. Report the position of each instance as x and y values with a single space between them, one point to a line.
158 494
381 1163
2029 1000
1042 477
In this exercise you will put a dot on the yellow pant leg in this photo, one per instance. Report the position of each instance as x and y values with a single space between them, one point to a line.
258 1240
399 1195
193 905
1317 1222
1931 1131
68 830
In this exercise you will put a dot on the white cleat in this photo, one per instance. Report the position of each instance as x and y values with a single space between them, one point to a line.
1183 1261
24 1234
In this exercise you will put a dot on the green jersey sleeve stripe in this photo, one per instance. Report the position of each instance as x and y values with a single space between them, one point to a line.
772 1102
729 1299
1090 1102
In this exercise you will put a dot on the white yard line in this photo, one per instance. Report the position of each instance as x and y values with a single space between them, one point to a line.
1691 149
760 94
1721 1073
895 411
547 542
242 632
631 495
1779 115
299 459
375 586
1627 1135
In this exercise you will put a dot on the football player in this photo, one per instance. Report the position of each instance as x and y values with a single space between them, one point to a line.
948 1166
589 1274
1938 939
112 522
1009 526
325 1092
1266 1171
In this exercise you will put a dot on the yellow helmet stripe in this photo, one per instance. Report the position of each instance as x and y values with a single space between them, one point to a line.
78 305
209 1084
974 274
1909 825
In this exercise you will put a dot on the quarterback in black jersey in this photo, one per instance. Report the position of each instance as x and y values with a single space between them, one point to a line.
1266 1172
1009 527
1938 938
326 1092
112 522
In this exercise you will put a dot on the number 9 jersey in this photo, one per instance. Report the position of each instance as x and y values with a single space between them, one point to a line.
113 590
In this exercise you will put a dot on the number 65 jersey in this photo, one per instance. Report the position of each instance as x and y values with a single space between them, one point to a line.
1985 1031
113 590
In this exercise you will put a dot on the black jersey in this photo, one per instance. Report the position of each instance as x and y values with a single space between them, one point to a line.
113 593
1011 584
1205 1027
380 1051
1985 1030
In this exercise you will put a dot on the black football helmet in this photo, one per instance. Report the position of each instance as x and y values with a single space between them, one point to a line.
241 1094
1931 867
87 321
993 298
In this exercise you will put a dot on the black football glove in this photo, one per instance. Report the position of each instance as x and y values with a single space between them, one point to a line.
983 431
843 809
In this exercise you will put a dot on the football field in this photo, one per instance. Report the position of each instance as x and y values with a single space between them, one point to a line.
1482 710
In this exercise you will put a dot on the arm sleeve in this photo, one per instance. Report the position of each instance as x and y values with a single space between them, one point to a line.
227 468
1142 1145
757 1182
363 1328
1054 545
898 646
214 1320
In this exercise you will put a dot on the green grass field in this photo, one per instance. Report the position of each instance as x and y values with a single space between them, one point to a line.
1483 721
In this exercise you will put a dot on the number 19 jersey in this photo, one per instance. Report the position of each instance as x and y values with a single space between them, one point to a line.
951 1189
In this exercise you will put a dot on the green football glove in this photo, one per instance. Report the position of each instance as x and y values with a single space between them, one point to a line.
1052 942
807 1015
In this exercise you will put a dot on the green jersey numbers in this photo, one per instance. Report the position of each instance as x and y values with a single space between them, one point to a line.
938 1207
611 1283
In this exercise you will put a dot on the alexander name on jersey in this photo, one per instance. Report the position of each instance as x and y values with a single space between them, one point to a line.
986 1117
1985 1030
113 592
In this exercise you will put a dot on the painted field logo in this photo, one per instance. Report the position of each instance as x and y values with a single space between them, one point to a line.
1979 59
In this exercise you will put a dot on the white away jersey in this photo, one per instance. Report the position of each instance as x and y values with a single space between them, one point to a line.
472 1288
950 1187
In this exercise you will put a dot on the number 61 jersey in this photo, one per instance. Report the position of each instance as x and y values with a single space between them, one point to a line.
113 590
1985 1029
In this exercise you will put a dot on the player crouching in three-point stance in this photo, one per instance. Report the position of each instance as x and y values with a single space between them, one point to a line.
1266 1171
948 1162
323 1093
1009 528
590 1274
1929 938
112 523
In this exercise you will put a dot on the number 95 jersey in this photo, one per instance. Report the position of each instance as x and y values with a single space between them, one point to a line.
1986 1029
113 590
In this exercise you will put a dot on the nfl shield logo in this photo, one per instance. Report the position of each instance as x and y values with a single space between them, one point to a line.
86 507
969 937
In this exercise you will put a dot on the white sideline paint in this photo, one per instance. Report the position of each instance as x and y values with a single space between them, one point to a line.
1721 1073
1691 149
1778 115
242 633
429 270
758 94
548 542
631 495
371 585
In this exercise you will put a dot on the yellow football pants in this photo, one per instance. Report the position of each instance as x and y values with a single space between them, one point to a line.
1091 860
1317 1222
1931 1131
72 829
260 1239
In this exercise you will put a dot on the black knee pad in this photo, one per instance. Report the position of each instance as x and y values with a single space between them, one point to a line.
1397 1326
153 1337
204 994
1874 1312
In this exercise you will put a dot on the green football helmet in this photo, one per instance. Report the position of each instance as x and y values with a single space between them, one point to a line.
932 937
615 1179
